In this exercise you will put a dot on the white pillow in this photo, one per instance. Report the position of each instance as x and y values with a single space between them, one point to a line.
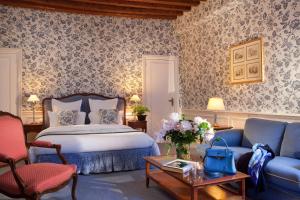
59 105
120 117
81 118
95 117
53 118
96 104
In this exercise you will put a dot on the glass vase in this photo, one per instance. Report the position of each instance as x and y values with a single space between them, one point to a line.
183 151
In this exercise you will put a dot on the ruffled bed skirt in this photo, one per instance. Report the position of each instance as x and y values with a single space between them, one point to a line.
104 161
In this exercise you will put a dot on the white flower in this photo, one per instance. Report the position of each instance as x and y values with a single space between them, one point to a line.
198 120
211 131
168 124
175 117
209 135
185 125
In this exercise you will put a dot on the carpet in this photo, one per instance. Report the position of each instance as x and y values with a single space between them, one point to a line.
131 186
113 186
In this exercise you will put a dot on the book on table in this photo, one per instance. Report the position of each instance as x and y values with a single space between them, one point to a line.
178 165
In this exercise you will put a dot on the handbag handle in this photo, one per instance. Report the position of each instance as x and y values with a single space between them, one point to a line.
227 147
222 139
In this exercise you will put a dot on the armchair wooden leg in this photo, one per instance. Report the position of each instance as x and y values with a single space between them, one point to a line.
74 186
37 197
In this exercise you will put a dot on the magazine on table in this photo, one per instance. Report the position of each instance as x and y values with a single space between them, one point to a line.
180 166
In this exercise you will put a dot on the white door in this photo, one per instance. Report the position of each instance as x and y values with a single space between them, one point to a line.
10 80
160 89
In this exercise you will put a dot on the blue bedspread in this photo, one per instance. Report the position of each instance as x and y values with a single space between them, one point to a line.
105 161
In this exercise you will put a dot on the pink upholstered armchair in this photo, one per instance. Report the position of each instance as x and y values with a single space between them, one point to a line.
29 181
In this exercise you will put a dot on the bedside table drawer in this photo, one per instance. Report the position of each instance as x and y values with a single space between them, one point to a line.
32 130
138 125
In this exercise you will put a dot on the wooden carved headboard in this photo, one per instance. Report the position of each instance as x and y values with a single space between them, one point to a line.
47 106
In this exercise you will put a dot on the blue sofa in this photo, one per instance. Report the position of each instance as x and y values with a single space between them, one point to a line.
284 139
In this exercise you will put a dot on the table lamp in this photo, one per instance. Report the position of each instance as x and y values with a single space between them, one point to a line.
33 99
135 98
215 104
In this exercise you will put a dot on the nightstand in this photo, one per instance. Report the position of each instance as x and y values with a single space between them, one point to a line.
138 125
220 128
34 128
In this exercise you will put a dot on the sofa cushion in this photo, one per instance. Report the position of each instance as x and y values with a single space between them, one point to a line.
285 172
263 131
238 151
290 145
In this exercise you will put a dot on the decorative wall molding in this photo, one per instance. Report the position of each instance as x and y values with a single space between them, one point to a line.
237 119
27 116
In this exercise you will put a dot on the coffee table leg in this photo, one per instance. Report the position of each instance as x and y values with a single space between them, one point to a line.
243 189
147 173
194 195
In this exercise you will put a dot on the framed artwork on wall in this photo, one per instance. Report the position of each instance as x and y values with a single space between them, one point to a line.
246 62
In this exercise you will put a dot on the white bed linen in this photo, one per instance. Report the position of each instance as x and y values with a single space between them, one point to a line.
73 142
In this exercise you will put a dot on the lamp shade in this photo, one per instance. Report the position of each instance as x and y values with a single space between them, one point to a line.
33 98
135 98
215 103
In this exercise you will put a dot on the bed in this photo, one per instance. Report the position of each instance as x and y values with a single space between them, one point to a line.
95 148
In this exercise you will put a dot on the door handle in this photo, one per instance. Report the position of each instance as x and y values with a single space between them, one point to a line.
171 101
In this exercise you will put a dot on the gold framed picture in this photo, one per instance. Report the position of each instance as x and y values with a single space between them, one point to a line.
246 62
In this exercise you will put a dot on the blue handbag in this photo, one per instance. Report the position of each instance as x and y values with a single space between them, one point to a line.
219 161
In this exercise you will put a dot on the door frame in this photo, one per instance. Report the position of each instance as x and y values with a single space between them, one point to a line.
176 76
18 53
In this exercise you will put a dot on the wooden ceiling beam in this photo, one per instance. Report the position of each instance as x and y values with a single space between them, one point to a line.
132 4
100 8
172 2
18 3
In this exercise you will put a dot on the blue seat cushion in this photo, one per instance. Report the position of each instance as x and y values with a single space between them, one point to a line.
265 132
290 145
238 151
284 172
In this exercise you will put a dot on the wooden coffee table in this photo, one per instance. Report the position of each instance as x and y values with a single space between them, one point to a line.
189 186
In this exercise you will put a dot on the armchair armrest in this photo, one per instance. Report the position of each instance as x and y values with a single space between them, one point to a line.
46 144
233 137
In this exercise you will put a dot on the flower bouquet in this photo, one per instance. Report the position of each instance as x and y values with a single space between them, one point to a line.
181 133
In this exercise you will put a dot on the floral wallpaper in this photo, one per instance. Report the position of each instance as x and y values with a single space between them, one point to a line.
70 53
207 32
